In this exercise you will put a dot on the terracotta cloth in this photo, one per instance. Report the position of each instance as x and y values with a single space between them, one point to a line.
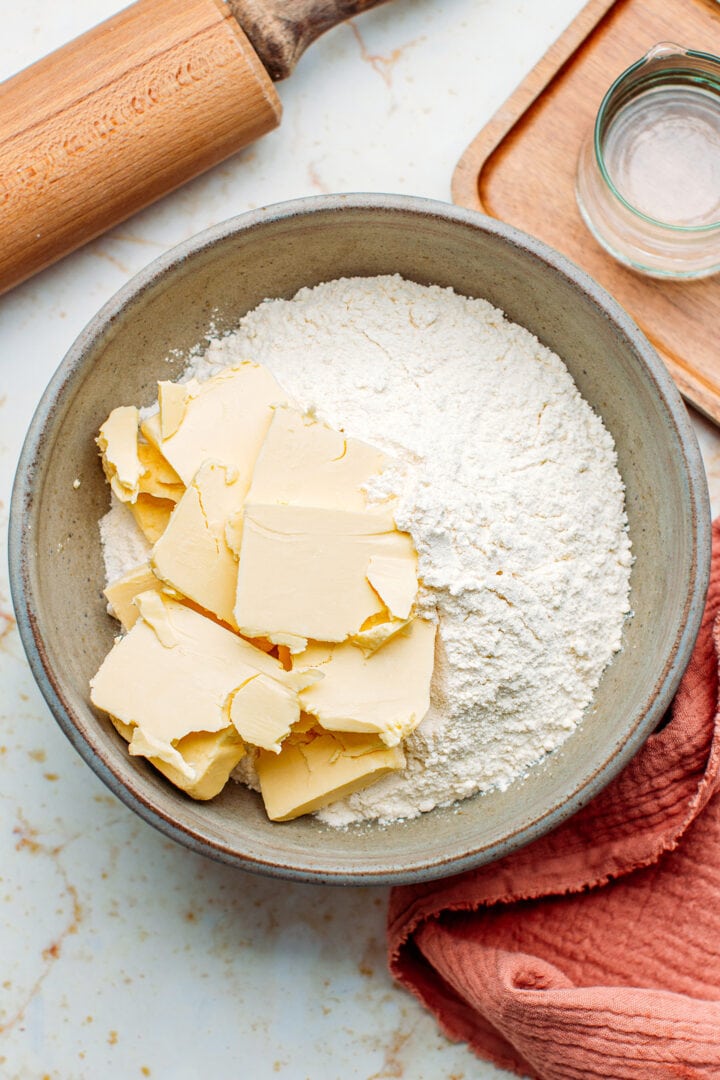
594 951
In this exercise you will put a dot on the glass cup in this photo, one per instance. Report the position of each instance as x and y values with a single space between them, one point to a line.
648 179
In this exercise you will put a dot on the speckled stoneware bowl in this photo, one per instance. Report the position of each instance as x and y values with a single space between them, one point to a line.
212 280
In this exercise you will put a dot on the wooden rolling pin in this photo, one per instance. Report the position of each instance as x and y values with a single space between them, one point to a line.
136 107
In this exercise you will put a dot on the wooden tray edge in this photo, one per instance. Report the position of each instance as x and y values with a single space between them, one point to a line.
464 186
465 178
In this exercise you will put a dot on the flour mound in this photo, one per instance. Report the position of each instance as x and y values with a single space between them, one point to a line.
508 484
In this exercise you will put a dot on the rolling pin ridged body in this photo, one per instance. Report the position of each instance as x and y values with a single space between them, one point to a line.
117 118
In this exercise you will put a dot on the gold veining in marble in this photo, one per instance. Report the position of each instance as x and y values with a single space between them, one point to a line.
383 65
27 840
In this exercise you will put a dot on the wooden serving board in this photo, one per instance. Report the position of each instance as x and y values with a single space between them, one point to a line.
521 169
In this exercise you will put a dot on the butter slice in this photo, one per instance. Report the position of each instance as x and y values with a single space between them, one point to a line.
144 744
225 419
152 609
170 690
304 731
302 571
121 593
387 693
211 757
158 478
395 582
308 776
172 402
264 710
152 515
192 554
375 634
305 463
118 443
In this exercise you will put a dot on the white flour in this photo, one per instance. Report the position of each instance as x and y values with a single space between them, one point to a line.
509 487
124 546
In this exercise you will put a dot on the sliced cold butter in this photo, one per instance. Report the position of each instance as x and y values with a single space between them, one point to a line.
192 554
152 515
224 419
304 731
172 402
118 443
305 463
308 776
121 593
233 533
291 642
264 709
144 744
376 633
126 730
153 610
387 692
210 755
302 571
395 582
179 684
158 478
263 712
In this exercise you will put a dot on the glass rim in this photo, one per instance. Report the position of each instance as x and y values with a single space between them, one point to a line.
604 104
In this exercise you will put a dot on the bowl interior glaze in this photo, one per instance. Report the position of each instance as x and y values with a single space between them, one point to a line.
203 288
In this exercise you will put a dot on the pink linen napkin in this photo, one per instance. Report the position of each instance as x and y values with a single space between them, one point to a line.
594 951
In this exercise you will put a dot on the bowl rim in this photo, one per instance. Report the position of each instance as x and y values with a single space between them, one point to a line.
20 556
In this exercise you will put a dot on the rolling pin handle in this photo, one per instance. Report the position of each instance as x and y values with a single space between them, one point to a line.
281 30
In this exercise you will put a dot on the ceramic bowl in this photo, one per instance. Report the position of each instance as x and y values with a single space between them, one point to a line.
210 282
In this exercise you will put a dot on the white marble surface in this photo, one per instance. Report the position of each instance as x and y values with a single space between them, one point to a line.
121 954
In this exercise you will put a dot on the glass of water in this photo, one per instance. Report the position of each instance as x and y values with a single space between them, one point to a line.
648 179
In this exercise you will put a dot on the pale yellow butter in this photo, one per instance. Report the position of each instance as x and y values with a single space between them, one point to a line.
152 515
305 463
118 444
172 402
304 731
387 693
395 582
302 570
259 518
375 634
210 756
308 776
263 712
121 593
265 709
144 744
224 419
291 642
158 478
192 554
154 611
177 675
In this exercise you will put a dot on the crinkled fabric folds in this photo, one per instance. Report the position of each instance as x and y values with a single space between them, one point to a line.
594 951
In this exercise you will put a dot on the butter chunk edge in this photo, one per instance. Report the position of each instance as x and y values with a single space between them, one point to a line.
117 441
212 755
310 776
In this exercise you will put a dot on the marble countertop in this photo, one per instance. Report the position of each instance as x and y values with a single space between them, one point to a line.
123 954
